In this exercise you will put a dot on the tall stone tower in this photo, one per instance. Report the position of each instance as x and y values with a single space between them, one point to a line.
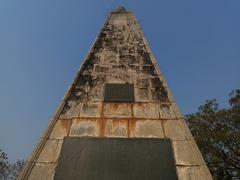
118 120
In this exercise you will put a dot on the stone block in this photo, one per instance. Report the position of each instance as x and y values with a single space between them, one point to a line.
42 171
50 151
142 95
91 109
141 82
166 111
84 127
60 129
187 153
121 79
193 173
116 128
149 129
117 110
70 110
176 110
177 130
96 93
146 110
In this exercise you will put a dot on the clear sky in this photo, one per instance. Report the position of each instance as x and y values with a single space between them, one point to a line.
43 42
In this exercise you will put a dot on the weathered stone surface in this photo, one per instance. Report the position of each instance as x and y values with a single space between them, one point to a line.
177 130
60 129
91 109
116 128
117 110
70 110
166 111
187 153
118 19
50 152
193 173
96 93
176 110
141 81
146 110
84 127
101 69
42 171
122 79
142 95
149 129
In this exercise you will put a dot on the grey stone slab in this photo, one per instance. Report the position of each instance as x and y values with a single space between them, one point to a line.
116 158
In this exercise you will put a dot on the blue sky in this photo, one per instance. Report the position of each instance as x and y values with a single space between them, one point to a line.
42 44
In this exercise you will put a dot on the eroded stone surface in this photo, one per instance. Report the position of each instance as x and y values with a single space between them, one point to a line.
146 110
71 109
166 111
149 128
60 129
116 128
117 110
84 127
91 109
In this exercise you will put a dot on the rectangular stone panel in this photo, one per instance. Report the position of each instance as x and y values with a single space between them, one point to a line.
142 95
149 129
91 109
166 111
116 128
84 127
116 159
71 109
146 110
119 93
60 129
117 110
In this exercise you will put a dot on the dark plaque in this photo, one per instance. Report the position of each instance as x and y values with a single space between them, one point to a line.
115 159
119 93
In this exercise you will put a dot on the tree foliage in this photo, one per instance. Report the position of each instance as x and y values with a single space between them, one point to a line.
9 171
217 133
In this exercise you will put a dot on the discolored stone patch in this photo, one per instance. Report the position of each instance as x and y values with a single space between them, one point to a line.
84 127
117 110
146 110
116 128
